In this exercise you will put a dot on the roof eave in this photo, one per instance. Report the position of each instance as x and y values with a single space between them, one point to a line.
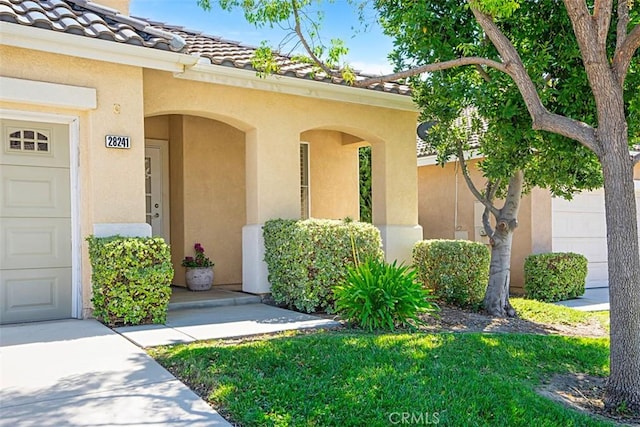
102 50
229 76
432 159
187 67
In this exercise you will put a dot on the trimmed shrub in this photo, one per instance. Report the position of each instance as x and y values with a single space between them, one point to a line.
307 258
457 271
555 276
131 279
377 295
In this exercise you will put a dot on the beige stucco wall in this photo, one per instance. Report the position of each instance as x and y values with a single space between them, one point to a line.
334 177
234 154
111 181
273 124
437 201
437 213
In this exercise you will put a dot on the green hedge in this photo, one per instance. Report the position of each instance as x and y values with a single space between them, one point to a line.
131 279
555 276
457 271
307 258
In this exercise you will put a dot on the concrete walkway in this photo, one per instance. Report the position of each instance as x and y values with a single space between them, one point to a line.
81 373
184 326
594 299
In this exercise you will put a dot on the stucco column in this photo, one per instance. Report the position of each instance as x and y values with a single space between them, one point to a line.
395 193
273 191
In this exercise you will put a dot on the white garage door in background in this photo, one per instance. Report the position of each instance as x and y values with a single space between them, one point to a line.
35 222
579 226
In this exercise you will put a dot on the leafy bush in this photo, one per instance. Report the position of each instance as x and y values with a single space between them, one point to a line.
307 258
377 295
456 270
555 276
131 279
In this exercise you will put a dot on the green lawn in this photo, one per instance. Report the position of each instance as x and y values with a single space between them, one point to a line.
542 312
348 378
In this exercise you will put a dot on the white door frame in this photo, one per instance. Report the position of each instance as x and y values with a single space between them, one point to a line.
163 145
74 169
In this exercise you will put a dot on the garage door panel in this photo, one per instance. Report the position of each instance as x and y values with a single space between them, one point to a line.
583 202
586 224
580 226
597 274
34 144
35 242
34 192
35 294
35 222
590 248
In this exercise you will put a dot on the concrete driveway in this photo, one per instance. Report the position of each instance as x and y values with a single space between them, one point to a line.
81 373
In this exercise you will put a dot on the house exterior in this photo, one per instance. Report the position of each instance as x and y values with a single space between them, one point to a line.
448 210
115 125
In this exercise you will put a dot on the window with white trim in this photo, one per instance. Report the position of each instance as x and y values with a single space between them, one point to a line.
29 140
305 199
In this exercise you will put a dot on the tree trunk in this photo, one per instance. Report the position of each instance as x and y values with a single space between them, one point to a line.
496 300
623 387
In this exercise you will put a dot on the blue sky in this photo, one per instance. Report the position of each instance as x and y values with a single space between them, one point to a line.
368 48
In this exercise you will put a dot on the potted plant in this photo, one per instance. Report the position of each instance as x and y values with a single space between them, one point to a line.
199 274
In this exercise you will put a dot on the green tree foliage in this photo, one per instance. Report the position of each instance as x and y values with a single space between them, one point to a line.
428 32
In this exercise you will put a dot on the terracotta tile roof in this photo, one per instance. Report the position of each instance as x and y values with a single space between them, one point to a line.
465 121
237 55
89 19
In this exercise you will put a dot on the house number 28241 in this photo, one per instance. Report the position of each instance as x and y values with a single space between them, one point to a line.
115 141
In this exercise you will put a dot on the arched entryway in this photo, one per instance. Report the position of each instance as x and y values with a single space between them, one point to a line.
204 195
329 174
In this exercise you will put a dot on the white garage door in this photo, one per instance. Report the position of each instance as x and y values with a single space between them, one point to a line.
35 222
579 226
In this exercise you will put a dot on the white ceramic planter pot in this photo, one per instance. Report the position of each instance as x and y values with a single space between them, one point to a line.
199 278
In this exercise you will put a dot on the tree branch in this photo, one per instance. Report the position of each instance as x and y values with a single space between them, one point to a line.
472 187
491 190
490 193
602 11
624 53
483 73
623 23
428 68
541 118
307 48
486 224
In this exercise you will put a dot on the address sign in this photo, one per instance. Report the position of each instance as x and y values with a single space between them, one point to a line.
116 141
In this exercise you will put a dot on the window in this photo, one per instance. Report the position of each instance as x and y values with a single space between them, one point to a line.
305 199
29 140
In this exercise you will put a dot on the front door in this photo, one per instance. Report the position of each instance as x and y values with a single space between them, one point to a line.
35 222
156 163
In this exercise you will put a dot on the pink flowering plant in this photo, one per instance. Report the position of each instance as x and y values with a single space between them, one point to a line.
200 260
